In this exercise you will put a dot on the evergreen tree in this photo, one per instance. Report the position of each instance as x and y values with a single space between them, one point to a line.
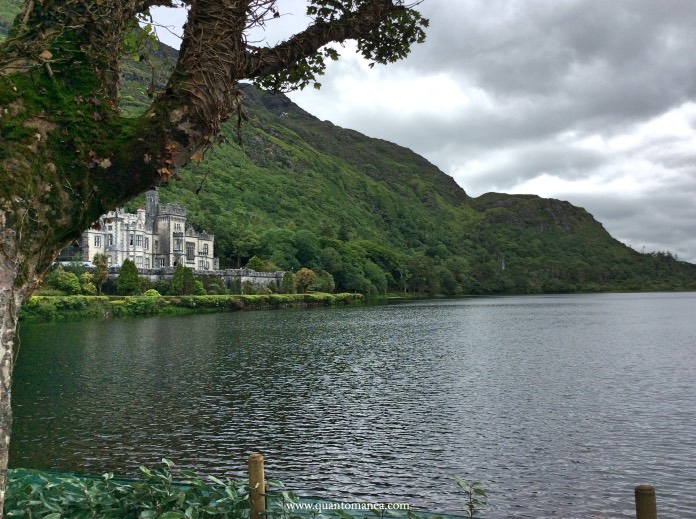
288 284
128 282
183 282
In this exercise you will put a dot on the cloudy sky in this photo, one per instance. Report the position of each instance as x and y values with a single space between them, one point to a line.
590 101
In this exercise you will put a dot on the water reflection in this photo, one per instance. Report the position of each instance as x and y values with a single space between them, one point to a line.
548 398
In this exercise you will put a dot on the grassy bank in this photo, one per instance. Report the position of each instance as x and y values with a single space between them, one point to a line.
46 308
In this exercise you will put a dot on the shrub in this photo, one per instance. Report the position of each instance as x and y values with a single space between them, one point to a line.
89 289
70 303
109 287
152 293
88 286
141 305
349 298
318 297
38 494
234 303
118 308
66 282
41 307
304 278
214 289
198 288
187 302
281 299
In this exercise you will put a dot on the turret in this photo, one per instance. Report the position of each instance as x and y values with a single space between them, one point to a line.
151 203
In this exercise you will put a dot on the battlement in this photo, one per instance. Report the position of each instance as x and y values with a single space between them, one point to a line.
171 210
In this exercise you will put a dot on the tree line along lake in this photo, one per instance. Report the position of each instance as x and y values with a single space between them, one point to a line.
561 403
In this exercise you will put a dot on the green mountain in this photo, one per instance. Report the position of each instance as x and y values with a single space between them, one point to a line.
300 192
304 192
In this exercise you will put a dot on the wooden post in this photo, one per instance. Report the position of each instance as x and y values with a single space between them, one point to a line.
257 487
646 505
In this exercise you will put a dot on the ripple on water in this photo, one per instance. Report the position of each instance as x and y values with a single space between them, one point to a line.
562 403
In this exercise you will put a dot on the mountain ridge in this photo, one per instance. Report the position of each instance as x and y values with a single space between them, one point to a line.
373 216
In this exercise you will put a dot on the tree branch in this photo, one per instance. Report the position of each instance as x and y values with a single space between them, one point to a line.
352 25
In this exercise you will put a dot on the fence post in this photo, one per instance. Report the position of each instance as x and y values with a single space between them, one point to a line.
646 505
257 487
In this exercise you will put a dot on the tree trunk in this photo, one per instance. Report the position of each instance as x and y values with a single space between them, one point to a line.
10 302
16 276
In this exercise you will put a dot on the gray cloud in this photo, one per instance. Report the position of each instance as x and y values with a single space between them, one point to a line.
643 222
589 64
533 48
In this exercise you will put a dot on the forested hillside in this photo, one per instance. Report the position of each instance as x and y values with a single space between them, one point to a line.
300 192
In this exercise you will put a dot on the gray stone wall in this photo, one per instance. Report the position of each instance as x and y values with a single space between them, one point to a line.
258 279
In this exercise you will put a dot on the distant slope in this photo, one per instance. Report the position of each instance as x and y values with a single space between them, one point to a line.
301 192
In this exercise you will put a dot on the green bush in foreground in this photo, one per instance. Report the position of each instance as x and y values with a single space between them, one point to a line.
161 494
33 494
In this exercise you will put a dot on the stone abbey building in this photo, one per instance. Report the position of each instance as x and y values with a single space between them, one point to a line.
156 236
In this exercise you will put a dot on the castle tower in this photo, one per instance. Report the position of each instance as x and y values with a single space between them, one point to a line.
151 203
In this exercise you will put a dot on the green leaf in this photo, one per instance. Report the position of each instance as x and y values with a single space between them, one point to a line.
216 480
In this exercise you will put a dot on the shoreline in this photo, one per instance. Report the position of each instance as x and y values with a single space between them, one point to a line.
78 307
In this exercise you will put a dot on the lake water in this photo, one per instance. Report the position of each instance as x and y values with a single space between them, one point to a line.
562 403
